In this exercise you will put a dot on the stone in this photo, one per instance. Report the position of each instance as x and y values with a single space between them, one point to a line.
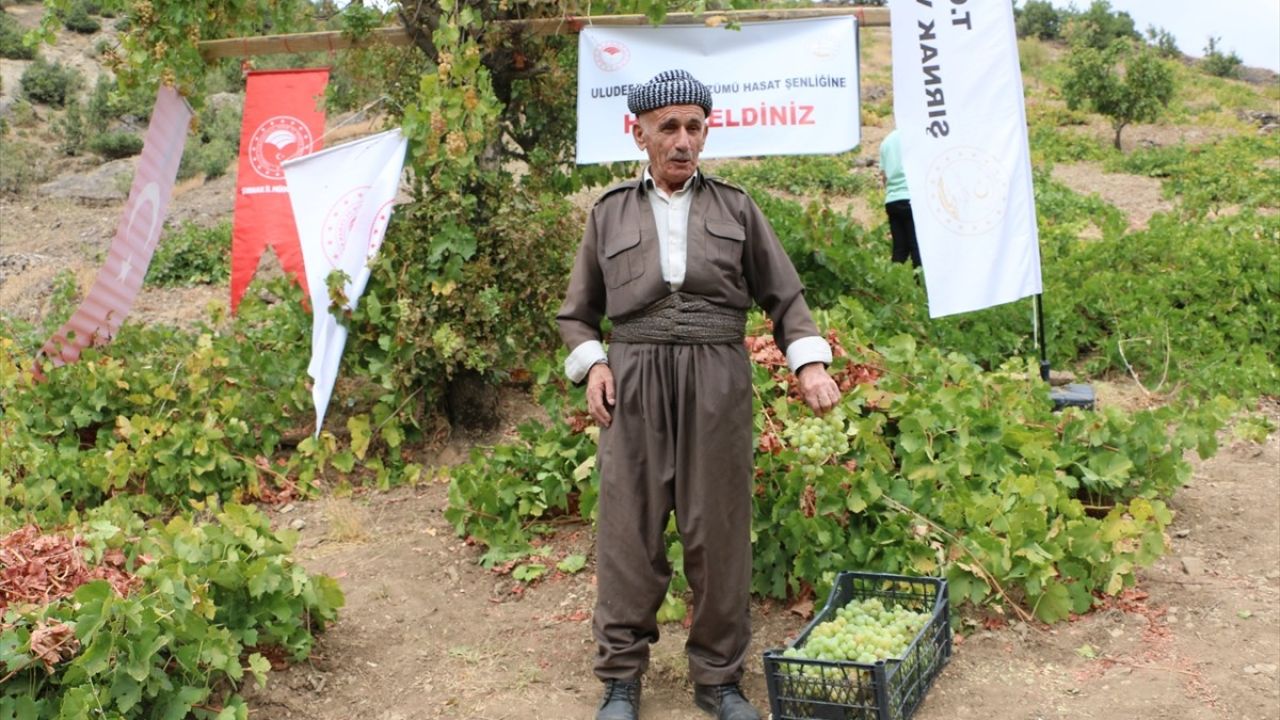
1192 566
106 184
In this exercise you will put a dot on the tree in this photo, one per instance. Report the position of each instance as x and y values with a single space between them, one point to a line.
1127 82
471 271
1099 26
1039 19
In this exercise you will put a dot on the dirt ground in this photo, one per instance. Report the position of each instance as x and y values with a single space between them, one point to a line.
427 633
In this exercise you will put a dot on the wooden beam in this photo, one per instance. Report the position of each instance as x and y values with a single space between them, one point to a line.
395 35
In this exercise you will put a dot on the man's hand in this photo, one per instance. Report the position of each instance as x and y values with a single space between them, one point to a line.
600 393
816 387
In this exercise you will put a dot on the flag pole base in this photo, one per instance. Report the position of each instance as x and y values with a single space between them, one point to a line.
1073 395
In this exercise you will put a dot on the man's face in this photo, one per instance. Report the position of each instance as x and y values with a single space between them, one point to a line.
673 137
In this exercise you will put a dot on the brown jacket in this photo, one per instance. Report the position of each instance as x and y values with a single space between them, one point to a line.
733 258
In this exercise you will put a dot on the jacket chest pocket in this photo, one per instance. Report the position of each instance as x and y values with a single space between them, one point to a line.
623 258
725 240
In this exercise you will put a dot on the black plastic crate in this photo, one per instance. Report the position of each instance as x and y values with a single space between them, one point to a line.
888 689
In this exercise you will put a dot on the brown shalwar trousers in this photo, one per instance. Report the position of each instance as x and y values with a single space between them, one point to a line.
680 439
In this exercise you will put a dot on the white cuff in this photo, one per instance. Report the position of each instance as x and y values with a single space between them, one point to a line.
587 354
807 350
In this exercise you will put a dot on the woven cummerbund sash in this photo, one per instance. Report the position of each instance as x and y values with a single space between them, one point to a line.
681 319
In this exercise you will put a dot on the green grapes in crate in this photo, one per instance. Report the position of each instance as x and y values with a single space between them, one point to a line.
862 631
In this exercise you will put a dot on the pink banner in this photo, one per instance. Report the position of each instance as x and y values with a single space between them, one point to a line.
98 318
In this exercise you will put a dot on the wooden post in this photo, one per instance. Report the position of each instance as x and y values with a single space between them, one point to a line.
330 41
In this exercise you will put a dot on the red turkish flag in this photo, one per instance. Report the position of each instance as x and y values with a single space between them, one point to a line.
283 119
98 318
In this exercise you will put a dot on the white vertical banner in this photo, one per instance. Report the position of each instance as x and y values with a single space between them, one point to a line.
958 102
777 88
342 199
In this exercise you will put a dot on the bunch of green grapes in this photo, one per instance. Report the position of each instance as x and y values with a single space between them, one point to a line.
818 439
862 631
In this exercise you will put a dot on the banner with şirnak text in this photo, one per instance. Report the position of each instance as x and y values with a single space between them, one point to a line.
778 88
283 119
117 284
959 108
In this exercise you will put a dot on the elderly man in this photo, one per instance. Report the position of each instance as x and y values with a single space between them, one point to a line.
674 260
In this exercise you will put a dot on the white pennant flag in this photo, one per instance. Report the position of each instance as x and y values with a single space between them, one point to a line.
342 200
958 105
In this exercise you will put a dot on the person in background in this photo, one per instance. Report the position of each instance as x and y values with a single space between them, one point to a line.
897 201
675 259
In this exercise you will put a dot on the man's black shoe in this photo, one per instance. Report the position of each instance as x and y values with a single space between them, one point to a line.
621 700
726 702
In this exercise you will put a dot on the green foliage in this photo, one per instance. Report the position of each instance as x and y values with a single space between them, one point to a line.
1163 305
49 83
11 45
26 164
1236 172
1125 82
800 175
1039 19
191 255
1099 27
158 41
508 494
72 131
1164 42
1219 64
109 103
116 144
943 469
175 415
449 295
1051 144
215 144
79 20
215 596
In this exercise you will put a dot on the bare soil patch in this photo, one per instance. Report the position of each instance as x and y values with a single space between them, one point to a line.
1137 197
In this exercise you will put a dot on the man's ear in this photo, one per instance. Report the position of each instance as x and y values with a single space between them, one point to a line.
637 134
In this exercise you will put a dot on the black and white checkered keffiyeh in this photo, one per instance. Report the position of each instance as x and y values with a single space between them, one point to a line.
670 87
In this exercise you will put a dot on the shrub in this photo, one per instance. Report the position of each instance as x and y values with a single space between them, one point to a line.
22 164
116 144
78 20
1163 41
1218 64
187 611
11 45
108 103
214 146
71 130
49 83
191 255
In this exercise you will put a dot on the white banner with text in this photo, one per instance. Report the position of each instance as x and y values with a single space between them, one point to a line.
958 104
778 88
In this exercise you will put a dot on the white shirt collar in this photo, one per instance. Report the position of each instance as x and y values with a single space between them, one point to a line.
649 182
